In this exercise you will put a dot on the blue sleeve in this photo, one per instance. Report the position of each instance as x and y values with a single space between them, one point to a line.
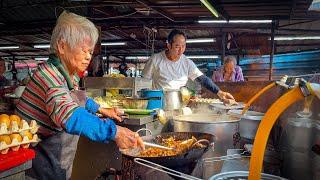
92 106
208 83
81 122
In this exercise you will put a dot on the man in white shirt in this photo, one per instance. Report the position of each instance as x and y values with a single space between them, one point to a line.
171 69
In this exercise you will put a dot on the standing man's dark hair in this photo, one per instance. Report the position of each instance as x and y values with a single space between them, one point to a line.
173 33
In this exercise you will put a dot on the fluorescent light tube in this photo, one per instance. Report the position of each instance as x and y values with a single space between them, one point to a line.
41 58
137 57
203 40
212 21
234 21
113 43
9 47
203 57
291 38
250 21
210 7
190 57
41 46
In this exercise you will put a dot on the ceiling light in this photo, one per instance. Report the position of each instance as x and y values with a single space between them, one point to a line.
41 46
233 21
137 57
41 58
210 7
113 43
190 57
9 47
203 57
203 40
250 21
291 38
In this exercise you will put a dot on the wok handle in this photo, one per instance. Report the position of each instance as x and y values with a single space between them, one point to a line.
144 129
163 169
200 141
227 157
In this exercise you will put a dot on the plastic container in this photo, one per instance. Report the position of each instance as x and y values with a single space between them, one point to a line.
15 158
18 128
16 133
153 104
16 144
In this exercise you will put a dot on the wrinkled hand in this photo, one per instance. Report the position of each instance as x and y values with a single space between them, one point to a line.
126 139
226 97
113 113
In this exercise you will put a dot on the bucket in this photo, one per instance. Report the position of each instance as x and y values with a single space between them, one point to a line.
153 104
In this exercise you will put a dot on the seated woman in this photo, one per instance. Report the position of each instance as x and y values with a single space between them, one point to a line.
230 71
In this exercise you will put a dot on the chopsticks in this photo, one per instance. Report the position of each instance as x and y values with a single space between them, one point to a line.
157 146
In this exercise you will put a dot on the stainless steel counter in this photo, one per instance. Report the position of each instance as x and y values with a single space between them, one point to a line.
17 172
138 120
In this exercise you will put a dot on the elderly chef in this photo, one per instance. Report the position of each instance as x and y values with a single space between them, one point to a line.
52 99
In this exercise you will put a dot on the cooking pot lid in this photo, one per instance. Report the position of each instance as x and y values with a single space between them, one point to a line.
251 115
207 118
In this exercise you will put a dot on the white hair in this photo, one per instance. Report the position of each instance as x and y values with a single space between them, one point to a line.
73 29
229 59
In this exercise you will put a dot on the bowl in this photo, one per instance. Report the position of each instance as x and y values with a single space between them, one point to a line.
135 103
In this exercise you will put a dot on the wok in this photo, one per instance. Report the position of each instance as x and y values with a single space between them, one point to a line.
181 159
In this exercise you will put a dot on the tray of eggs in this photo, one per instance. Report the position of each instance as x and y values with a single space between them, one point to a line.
16 133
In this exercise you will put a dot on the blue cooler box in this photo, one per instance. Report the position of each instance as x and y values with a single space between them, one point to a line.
153 104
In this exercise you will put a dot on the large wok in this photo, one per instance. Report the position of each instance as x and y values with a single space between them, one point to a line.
179 160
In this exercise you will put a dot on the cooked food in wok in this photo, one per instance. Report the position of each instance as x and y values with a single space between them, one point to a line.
179 146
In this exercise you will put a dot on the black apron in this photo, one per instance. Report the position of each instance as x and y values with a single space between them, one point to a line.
55 154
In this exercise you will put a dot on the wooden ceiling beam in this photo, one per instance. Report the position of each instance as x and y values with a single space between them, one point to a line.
156 9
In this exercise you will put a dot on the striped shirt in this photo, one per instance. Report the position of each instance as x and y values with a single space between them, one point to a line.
47 99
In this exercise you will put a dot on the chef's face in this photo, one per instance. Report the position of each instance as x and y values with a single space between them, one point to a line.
229 67
178 46
78 58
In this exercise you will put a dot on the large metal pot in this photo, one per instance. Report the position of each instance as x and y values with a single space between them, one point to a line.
297 165
249 122
224 127
172 99
298 134
316 159
296 142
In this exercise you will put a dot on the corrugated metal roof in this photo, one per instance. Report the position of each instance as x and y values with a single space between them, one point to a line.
30 22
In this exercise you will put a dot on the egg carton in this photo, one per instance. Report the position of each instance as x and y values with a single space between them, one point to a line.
16 145
17 128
